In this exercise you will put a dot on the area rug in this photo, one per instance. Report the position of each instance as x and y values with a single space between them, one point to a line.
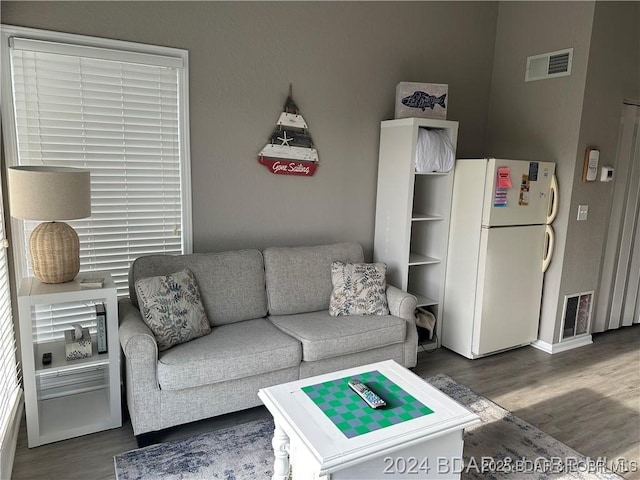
502 446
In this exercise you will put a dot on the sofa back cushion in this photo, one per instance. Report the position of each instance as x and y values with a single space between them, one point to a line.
231 283
299 278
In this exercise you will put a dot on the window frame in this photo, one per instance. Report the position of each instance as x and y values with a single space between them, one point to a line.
9 129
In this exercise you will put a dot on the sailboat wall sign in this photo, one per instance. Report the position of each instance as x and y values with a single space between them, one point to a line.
290 150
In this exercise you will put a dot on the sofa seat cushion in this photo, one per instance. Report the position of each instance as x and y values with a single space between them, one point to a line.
323 336
229 352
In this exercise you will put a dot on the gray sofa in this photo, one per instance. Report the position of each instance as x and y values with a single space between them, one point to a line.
271 324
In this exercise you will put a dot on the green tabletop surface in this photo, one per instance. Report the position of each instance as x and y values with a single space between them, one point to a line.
352 416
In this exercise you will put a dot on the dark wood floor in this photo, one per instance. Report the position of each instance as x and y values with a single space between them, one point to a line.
589 398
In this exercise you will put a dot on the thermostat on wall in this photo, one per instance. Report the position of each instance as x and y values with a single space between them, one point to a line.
590 171
606 174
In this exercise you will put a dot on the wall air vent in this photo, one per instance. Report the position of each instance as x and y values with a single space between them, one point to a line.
549 65
576 319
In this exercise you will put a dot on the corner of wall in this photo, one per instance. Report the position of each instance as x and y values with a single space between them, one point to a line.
612 74
541 119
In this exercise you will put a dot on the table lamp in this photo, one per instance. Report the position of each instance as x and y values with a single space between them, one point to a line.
51 194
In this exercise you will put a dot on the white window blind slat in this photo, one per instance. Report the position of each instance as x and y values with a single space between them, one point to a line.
56 67
65 89
52 320
69 120
98 131
98 120
104 233
118 114
97 78
9 374
65 80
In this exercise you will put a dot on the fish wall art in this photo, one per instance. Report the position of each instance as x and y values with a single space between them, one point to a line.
423 100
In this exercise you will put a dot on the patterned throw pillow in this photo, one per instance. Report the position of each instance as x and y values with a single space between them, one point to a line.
171 307
358 289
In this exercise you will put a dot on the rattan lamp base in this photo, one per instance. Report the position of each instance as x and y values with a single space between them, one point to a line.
55 252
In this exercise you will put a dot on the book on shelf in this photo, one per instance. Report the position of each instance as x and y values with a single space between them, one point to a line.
92 282
101 324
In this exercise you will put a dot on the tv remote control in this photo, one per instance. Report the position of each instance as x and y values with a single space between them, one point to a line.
373 400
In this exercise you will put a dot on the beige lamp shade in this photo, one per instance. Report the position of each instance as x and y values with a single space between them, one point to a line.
51 194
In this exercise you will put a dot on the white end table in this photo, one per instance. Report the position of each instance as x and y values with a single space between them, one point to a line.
66 399
308 440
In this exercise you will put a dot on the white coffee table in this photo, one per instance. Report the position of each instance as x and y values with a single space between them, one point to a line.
427 446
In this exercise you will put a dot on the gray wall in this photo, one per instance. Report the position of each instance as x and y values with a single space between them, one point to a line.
557 119
540 120
344 60
613 75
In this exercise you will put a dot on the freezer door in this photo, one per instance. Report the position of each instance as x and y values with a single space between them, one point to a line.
509 288
517 192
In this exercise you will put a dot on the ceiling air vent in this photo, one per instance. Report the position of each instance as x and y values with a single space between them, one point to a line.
549 65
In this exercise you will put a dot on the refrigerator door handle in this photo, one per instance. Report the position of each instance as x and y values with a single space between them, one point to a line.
549 242
553 201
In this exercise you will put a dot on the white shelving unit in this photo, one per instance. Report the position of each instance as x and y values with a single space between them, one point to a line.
66 399
412 215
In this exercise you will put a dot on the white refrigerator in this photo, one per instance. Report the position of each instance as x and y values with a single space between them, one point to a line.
500 244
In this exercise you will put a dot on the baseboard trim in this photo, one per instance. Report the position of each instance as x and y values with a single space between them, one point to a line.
562 346
10 442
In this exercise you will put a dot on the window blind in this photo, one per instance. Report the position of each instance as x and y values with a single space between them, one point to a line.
118 114
9 381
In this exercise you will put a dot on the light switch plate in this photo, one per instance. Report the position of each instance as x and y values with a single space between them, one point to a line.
583 212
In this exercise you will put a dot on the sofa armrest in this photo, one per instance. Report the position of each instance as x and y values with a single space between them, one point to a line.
403 305
134 334
141 361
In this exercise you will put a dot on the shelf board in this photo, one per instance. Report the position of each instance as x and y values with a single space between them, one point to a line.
433 174
51 293
419 259
423 217
428 345
59 362
423 300
74 415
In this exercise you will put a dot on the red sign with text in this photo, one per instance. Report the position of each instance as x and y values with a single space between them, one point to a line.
288 167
